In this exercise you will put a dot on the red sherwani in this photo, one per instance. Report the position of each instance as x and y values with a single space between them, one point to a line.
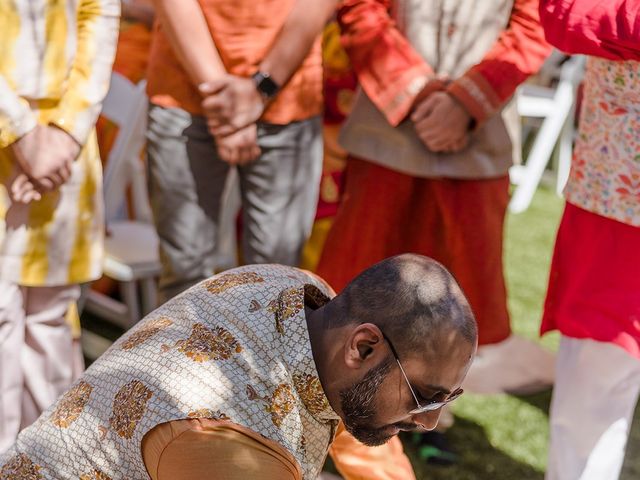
457 222
594 285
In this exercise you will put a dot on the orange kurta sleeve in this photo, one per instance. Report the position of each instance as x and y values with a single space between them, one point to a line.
211 449
389 69
356 461
519 52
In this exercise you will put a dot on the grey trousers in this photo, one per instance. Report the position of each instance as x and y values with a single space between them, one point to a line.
279 194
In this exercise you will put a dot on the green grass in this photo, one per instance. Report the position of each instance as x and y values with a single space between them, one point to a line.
502 436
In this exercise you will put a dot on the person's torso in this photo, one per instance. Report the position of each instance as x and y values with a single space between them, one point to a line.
59 239
605 170
234 347
452 36
243 31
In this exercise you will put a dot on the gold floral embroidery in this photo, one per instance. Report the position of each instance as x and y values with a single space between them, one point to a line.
288 304
279 405
208 413
95 475
205 344
282 402
71 405
20 467
310 390
129 406
145 332
226 281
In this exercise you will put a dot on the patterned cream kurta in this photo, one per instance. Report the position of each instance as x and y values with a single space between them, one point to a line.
234 347
54 68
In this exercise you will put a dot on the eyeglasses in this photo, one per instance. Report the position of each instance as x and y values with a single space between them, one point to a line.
432 405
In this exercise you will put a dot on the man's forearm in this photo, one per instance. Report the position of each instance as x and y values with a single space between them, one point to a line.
298 34
184 23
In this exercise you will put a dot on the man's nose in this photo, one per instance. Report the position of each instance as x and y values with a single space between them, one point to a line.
428 420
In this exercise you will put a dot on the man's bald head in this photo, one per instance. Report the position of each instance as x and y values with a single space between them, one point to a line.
409 297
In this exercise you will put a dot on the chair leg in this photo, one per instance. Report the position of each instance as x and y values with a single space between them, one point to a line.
130 299
149 295
542 149
84 293
565 147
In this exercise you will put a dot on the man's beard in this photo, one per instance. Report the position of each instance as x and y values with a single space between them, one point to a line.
357 403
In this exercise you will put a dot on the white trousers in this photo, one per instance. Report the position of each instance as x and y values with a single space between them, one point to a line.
592 408
39 358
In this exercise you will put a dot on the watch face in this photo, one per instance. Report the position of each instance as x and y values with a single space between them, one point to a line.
265 84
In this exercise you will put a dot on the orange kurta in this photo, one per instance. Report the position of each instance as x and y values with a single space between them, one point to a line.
182 450
243 32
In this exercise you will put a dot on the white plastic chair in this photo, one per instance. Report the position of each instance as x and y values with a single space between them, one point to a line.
131 246
557 107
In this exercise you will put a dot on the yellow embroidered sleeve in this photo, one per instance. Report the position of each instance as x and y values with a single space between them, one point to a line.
88 80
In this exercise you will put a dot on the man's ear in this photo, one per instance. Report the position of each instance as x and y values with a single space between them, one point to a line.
363 344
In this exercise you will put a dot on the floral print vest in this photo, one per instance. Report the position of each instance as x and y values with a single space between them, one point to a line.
605 172
234 347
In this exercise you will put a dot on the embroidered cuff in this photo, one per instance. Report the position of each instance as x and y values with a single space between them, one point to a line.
395 102
77 123
476 95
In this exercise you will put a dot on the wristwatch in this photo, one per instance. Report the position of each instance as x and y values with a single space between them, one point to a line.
265 84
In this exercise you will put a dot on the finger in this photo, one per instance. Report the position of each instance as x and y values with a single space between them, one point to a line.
222 130
56 178
424 108
216 105
460 144
215 122
30 196
248 154
213 87
428 132
244 156
46 183
65 171
228 154
19 183
23 190
21 186
439 145
431 122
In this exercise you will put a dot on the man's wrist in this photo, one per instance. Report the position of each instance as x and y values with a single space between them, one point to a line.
471 121
266 86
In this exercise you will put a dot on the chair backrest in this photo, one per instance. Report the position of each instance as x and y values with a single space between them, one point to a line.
126 105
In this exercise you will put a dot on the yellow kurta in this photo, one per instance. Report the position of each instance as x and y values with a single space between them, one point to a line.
54 68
